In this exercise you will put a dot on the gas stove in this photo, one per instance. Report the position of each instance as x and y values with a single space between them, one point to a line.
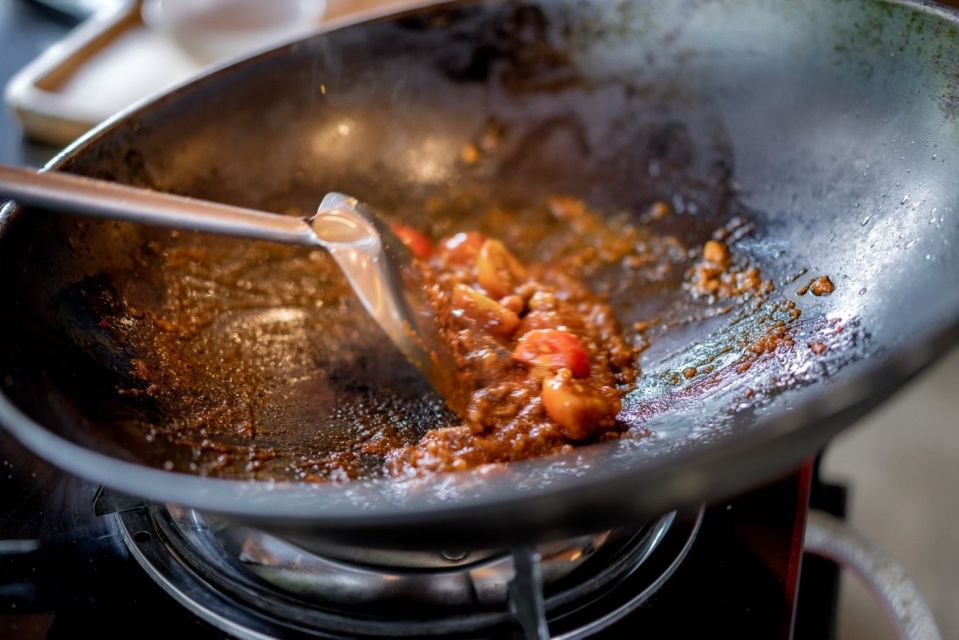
79 561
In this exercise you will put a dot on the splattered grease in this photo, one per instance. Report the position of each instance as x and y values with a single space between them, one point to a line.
267 367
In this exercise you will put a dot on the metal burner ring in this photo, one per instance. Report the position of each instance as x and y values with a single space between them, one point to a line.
176 549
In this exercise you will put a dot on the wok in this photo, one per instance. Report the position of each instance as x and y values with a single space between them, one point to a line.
829 126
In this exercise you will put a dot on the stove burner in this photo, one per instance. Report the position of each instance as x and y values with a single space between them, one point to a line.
251 584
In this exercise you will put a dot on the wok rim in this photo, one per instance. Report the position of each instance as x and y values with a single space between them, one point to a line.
681 477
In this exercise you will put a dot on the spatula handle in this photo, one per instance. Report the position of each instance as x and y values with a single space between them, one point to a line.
79 195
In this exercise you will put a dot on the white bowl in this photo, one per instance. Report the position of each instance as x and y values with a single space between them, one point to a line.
215 30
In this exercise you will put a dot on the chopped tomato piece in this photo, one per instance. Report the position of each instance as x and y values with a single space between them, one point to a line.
418 244
553 349
498 271
483 310
577 406
463 247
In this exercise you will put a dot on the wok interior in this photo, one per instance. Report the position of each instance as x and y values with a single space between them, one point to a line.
792 117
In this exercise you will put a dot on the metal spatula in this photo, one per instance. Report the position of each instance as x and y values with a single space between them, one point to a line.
377 265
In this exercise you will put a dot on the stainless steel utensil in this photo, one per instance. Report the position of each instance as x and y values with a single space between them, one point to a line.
375 262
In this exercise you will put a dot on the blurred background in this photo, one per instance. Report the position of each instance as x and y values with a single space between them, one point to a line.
901 463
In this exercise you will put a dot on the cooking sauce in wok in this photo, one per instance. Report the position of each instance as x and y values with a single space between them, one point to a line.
270 368
545 359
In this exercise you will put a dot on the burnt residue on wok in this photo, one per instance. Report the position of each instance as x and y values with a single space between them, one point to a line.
223 358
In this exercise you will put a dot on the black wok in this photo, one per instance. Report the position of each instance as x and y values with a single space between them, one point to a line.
829 126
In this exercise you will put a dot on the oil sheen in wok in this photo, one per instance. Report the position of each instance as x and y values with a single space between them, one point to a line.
297 383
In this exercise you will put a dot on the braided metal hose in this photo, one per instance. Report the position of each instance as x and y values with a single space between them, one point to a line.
834 540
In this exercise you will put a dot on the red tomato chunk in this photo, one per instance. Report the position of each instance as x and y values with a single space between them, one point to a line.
418 244
554 350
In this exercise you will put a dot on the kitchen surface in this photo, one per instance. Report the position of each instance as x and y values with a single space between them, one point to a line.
899 463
